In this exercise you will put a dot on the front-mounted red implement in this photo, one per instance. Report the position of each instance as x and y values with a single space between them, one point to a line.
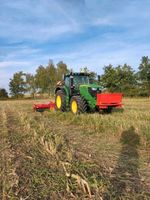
107 101
42 107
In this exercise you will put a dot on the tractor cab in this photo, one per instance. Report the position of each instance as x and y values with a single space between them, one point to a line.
73 81
76 79
78 83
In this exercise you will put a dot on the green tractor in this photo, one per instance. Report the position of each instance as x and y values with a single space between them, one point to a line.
76 93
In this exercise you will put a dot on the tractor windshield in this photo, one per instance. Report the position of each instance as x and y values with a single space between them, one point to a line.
81 80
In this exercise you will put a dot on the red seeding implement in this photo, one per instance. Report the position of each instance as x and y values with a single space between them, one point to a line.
42 107
107 101
75 93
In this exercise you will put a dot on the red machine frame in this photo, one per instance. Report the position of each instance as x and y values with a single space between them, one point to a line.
106 100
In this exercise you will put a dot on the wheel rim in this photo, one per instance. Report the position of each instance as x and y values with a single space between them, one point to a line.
74 106
58 101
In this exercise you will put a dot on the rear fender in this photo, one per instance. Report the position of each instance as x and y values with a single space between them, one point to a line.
65 90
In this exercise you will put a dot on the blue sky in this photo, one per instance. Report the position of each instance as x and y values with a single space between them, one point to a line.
90 33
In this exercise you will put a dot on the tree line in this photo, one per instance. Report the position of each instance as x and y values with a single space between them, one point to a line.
121 78
124 79
43 81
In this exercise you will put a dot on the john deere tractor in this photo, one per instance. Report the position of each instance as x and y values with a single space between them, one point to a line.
76 93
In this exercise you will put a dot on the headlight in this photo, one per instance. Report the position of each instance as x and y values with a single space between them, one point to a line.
94 89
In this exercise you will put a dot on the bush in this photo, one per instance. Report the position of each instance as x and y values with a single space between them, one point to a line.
3 94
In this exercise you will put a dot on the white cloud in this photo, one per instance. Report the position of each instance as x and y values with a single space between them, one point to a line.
103 21
35 32
38 21
7 64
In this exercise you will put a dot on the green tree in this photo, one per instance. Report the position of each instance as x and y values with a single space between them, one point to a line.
108 79
31 84
61 70
41 79
144 75
85 70
51 76
119 79
3 93
126 79
46 77
93 77
17 85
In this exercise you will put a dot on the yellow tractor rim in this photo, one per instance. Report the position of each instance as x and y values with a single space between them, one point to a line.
74 106
58 101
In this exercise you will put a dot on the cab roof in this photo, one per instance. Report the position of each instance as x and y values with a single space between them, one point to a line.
78 74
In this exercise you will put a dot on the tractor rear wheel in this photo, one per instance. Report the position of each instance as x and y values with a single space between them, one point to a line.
60 100
78 105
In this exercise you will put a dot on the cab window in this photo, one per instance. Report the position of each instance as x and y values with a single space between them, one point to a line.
67 81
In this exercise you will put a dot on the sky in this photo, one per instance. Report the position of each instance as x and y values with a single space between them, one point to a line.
92 33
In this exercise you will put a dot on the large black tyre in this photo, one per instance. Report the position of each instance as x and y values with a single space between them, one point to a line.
60 100
78 105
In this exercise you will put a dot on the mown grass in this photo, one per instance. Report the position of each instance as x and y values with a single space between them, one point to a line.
54 155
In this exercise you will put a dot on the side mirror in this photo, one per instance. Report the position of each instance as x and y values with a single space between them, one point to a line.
63 77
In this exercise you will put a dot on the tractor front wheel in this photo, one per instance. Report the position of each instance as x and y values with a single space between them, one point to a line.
60 101
78 105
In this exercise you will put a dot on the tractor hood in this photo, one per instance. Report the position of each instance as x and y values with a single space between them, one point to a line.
92 86
90 90
89 93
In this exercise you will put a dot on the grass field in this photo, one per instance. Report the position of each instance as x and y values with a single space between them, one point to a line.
55 155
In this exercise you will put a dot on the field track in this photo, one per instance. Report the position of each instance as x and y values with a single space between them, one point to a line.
57 155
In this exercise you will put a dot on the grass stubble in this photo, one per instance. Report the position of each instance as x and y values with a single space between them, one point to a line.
57 155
